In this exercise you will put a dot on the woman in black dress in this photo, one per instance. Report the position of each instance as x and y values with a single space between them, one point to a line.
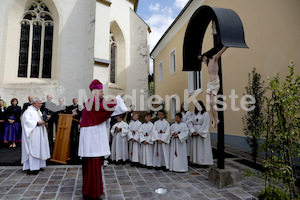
12 131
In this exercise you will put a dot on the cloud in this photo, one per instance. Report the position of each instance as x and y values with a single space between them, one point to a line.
161 18
154 8
159 21
180 3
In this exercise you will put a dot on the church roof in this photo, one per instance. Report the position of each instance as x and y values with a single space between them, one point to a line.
135 3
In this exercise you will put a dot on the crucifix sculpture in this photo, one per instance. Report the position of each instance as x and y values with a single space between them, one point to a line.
228 32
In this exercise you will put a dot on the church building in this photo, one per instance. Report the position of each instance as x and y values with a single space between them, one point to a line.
58 47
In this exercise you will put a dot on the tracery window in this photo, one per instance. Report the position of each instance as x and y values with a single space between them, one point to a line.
113 47
36 41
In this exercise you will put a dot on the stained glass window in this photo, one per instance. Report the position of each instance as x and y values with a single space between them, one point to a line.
36 42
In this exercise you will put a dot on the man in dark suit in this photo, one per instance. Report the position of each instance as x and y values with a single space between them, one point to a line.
48 109
26 105
74 109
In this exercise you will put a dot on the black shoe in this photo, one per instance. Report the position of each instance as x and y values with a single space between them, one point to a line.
34 172
42 169
149 167
203 166
164 169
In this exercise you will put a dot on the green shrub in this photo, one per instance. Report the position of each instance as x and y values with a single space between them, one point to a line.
273 193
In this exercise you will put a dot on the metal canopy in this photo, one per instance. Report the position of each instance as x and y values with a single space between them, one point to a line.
228 26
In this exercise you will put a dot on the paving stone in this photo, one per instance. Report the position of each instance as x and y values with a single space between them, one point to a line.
66 189
31 194
190 190
21 185
70 175
44 174
40 181
164 180
114 192
133 198
210 193
125 182
111 187
60 169
9 182
36 187
15 191
139 183
64 196
12 197
231 196
240 193
126 188
27 179
184 184
123 178
47 196
115 197
67 182
130 194
120 182
250 183
56 177
2 179
143 189
4 189
54 182
72 169
145 195
137 178
49 189
199 196
58 173
78 192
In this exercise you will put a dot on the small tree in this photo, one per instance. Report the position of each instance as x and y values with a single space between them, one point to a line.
251 120
280 128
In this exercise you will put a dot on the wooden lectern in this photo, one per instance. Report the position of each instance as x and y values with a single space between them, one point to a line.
61 151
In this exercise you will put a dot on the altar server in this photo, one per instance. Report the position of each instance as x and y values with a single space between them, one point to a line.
134 137
146 153
178 158
161 139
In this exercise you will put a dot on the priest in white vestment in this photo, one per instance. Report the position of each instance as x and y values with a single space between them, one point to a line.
35 144
201 151
178 158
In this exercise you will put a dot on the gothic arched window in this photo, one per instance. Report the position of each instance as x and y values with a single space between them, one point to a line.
36 42
113 48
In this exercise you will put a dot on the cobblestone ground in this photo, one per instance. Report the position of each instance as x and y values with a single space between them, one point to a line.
122 182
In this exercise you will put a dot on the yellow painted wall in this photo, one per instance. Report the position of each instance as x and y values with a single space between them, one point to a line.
272 31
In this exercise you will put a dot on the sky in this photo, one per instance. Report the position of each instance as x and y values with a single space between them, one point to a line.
159 15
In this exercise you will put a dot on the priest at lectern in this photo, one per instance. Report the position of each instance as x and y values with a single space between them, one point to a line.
35 144
93 141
